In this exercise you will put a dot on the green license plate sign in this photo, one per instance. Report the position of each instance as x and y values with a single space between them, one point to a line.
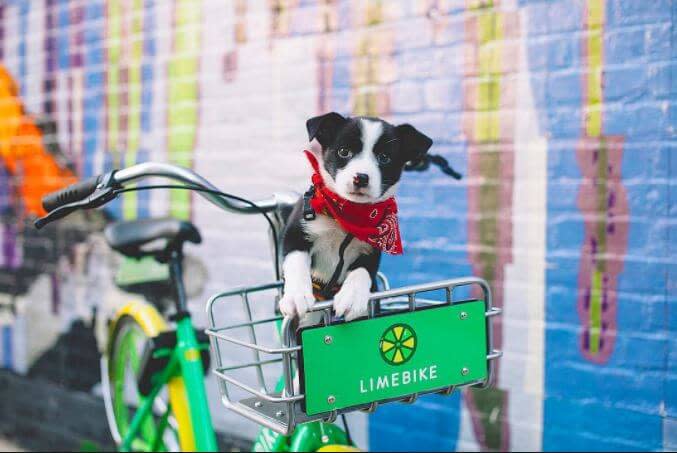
393 356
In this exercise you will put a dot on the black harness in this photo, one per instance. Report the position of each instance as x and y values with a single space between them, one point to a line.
330 288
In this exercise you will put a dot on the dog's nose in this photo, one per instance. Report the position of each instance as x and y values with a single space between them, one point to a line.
361 180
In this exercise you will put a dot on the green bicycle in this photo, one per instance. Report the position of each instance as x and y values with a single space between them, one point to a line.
416 340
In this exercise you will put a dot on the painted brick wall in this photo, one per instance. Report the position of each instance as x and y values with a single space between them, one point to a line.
560 114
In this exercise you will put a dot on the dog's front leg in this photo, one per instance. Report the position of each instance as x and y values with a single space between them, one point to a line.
298 287
352 300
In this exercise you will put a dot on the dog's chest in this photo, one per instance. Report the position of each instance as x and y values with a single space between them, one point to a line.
326 237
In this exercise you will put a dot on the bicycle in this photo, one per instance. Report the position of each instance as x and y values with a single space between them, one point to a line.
398 341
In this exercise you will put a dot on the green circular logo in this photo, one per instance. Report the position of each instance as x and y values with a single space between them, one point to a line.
398 344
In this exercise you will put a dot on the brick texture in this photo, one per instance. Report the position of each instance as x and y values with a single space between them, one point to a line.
560 114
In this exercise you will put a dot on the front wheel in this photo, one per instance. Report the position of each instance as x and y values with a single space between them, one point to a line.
167 427
338 448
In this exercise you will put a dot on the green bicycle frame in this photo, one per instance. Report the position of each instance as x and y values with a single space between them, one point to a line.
184 360
309 437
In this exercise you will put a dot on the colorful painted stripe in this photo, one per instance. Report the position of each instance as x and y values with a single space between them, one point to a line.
7 352
490 159
94 83
134 43
49 83
113 83
115 144
602 198
147 80
76 84
24 11
182 116
2 30
368 97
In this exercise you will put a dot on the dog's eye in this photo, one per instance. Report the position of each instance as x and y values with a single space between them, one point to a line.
383 159
345 153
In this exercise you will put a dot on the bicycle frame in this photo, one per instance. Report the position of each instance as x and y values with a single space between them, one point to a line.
185 357
185 361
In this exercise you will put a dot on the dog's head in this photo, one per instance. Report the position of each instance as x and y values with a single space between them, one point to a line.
363 158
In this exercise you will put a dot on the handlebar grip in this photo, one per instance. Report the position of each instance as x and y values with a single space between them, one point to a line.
70 194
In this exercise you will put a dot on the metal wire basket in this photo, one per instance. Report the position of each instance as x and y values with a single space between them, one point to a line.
252 387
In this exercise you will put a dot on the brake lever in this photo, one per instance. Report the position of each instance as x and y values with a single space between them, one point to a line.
95 200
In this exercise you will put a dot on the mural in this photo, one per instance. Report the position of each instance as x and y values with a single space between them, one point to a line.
182 111
24 155
31 169
557 113
490 159
128 94
603 201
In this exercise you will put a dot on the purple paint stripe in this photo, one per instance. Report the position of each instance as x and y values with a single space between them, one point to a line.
9 246
63 46
77 15
50 56
94 83
2 31
24 11
56 295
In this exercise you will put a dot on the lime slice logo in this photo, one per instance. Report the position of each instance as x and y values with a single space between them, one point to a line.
398 344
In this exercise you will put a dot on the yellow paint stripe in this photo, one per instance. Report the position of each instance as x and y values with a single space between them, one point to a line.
183 75
130 204
595 311
490 66
595 13
595 54
114 22
478 4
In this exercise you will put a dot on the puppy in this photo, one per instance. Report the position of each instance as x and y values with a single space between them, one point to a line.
334 236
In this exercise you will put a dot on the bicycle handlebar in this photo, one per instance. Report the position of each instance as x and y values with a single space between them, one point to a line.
99 190
185 175
75 192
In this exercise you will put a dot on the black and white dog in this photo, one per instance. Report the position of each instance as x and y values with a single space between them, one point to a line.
360 160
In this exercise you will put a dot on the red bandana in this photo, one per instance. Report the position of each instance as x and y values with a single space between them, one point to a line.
376 224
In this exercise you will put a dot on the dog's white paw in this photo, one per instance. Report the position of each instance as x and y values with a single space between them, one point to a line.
352 300
298 287
296 303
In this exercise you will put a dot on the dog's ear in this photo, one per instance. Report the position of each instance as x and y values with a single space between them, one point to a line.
413 143
325 127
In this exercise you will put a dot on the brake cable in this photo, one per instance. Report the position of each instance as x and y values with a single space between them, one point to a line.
349 438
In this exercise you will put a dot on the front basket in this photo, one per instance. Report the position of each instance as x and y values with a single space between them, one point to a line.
430 338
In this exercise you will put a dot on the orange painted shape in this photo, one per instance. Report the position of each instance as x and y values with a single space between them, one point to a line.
23 152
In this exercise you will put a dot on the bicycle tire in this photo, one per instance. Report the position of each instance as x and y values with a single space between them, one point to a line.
132 326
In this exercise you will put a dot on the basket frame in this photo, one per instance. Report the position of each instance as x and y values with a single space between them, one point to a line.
283 411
